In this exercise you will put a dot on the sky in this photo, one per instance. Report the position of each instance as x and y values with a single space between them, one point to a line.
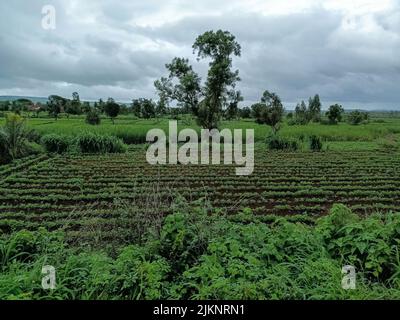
346 51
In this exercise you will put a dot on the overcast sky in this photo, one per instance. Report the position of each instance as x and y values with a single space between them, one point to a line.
347 51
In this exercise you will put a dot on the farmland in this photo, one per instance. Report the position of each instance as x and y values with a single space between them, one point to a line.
48 190
142 231
133 130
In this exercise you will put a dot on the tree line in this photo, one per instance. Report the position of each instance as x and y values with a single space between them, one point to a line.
208 101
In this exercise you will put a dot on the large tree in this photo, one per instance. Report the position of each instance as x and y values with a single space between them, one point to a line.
184 85
181 85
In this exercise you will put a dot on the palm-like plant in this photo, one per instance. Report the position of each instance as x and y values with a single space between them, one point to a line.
13 137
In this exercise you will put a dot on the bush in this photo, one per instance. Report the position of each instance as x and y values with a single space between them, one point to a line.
356 117
14 139
203 256
55 143
95 143
93 118
276 142
315 143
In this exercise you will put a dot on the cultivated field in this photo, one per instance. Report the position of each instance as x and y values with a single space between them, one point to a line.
126 229
50 191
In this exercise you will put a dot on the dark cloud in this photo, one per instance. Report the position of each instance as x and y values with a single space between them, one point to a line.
118 48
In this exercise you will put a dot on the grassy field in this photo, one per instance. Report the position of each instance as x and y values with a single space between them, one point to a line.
134 130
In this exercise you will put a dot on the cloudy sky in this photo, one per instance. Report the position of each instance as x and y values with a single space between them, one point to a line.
347 51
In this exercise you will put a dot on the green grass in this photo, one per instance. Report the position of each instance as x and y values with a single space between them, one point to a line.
134 130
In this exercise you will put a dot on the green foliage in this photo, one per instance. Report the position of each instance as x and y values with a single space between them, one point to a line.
93 117
54 143
314 109
245 113
276 142
56 105
302 115
112 109
270 111
184 85
14 139
371 244
356 117
95 143
315 143
144 108
334 113
199 256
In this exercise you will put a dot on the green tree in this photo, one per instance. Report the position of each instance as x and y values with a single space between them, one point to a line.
148 109
112 109
184 85
334 113
270 111
245 112
74 106
314 109
232 111
161 107
356 117
56 105
136 107
144 108
86 107
301 114
218 46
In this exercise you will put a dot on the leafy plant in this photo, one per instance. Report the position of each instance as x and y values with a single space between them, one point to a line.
55 143
315 143
93 117
95 143
14 138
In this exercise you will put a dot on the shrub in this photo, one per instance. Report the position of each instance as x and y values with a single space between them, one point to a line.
95 143
93 117
356 117
315 143
55 143
276 142
13 139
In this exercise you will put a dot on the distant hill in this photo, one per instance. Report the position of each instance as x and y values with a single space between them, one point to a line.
34 99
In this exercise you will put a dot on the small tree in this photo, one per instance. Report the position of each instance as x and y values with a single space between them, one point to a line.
334 113
356 117
245 113
270 111
112 109
232 112
148 109
302 116
56 105
314 109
